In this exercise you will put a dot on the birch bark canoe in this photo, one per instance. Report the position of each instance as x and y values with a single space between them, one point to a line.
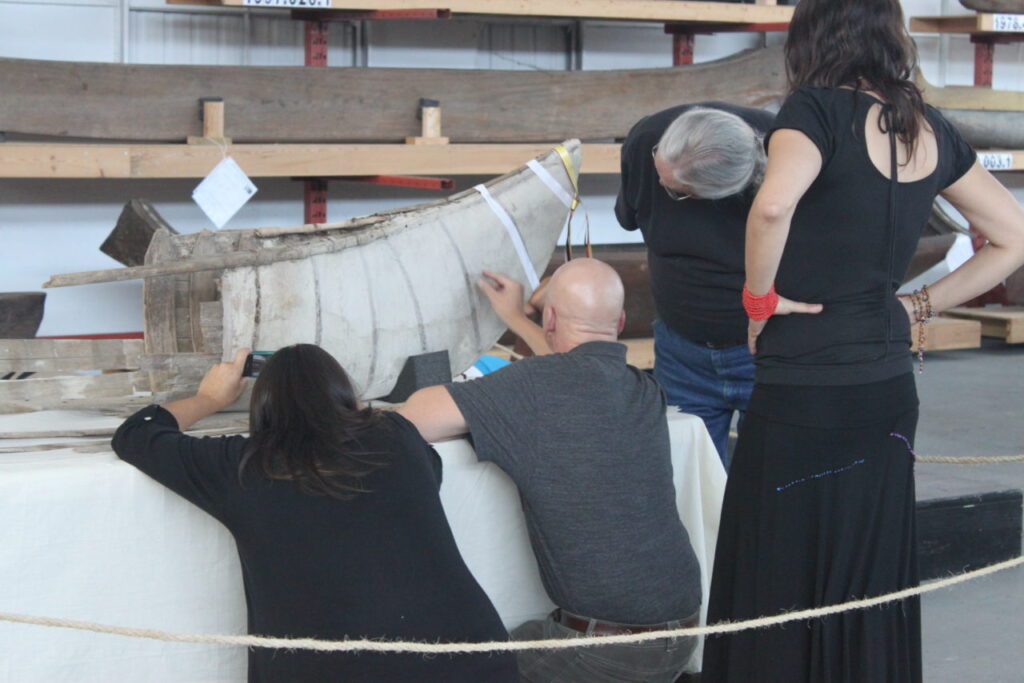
372 291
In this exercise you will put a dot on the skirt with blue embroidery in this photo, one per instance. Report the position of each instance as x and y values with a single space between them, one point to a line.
819 510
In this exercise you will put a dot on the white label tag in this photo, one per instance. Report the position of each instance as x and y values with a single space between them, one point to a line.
995 162
297 4
223 192
1011 23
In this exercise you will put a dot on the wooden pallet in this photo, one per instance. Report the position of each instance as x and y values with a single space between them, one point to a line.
1003 322
945 334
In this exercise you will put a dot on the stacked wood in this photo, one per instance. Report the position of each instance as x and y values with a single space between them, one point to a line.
20 314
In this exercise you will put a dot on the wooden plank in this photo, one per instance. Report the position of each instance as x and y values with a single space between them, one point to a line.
267 161
945 334
20 314
968 97
1012 24
1003 322
640 352
76 390
158 103
61 355
623 10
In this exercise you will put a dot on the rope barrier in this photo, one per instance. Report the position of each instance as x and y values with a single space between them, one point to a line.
501 646
980 460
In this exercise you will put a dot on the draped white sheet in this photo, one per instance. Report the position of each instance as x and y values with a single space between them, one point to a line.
86 536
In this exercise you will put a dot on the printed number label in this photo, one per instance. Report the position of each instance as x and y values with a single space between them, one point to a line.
287 3
996 162
1012 23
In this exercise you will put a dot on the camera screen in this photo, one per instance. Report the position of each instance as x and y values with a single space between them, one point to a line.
254 362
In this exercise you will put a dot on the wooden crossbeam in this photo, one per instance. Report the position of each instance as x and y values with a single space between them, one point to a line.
61 355
970 23
616 10
1003 322
60 160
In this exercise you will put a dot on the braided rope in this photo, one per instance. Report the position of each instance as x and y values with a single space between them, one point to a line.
979 460
501 646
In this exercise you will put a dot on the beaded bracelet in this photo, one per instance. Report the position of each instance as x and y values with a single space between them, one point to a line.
760 307
923 312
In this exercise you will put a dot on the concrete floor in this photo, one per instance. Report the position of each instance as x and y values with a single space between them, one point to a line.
972 403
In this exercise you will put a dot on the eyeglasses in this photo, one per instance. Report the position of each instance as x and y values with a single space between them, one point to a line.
672 194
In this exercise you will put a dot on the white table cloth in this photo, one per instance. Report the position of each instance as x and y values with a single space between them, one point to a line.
86 536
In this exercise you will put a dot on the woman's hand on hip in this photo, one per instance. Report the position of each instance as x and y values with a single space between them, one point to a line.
784 307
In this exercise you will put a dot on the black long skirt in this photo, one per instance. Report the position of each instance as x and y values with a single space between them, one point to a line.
819 510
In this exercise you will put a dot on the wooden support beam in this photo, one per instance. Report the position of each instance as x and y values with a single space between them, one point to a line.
946 334
60 160
969 23
1003 322
621 10
62 355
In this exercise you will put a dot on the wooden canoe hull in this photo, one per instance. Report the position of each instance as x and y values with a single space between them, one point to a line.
1010 6
294 104
20 314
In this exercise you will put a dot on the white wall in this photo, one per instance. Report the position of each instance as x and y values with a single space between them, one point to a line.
50 227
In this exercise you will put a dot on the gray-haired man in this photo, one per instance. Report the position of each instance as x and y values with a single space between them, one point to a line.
689 175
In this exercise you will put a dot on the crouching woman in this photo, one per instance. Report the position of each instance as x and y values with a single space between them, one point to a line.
335 511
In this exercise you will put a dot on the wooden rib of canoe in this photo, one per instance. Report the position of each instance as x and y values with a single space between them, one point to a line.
158 103
372 291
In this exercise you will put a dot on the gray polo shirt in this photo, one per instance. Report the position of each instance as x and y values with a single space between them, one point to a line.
584 437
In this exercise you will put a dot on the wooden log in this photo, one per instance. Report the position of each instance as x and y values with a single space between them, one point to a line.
20 314
158 103
159 306
627 10
989 129
62 355
138 222
1009 6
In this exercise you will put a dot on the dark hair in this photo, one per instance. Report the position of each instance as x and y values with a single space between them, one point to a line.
862 44
305 424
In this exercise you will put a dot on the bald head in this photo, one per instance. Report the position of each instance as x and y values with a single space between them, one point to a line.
583 303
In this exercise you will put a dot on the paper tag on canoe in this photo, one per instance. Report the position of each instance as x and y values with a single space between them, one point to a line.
223 192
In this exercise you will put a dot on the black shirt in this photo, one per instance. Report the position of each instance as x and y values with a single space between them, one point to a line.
844 251
694 247
381 565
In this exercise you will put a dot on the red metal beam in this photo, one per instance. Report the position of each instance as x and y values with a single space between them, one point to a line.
107 335
378 14
682 48
984 53
418 182
707 28
314 200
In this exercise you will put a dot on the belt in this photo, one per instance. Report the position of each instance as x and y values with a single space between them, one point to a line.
718 346
610 628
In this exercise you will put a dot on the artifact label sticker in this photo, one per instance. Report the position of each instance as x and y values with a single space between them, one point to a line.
297 4
223 192
995 161
1010 23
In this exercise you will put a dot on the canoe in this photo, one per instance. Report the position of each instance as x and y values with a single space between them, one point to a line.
1010 6
20 314
372 291
158 103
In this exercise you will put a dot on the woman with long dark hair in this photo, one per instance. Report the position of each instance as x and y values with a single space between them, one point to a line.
819 506
335 511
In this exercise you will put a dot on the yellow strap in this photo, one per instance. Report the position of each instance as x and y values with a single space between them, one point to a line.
570 168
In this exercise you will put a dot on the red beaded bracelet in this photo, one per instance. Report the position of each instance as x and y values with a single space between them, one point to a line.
760 307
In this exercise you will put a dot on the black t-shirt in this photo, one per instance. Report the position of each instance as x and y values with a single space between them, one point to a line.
381 565
694 247
843 250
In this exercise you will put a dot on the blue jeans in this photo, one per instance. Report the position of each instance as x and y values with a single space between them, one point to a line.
705 382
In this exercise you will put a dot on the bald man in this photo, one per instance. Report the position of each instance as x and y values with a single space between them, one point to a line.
584 437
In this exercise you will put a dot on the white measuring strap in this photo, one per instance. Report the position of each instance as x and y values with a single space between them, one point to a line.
513 232
550 181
